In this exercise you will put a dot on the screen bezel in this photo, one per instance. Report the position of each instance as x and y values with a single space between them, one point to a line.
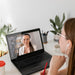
28 54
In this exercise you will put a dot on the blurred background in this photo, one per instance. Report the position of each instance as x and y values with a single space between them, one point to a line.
29 14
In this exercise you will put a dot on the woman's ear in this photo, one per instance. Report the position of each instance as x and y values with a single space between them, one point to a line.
69 44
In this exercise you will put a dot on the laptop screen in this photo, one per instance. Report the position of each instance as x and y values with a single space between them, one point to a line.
24 42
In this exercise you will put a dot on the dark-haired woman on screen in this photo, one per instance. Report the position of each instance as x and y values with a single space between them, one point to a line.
27 46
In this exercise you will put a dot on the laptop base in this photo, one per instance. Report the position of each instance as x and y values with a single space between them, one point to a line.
35 66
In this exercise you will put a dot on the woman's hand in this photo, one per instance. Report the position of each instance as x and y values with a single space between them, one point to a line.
41 73
56 62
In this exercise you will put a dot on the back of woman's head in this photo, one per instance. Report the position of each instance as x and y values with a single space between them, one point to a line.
69 28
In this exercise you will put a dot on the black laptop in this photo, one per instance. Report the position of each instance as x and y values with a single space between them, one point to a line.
28 58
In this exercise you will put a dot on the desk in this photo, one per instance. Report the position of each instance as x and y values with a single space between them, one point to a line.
10 69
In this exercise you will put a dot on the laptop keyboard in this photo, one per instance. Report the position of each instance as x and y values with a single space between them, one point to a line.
32 60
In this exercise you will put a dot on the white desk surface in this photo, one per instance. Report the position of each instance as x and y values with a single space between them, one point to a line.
10 69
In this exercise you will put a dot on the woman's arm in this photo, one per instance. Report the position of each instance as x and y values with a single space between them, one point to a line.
55 72
63 72
55 64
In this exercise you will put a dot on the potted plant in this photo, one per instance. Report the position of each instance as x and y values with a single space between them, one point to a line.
57 25
6 29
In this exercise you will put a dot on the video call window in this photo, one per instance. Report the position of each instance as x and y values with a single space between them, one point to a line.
20 44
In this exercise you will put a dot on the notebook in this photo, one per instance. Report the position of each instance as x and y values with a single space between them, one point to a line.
27 52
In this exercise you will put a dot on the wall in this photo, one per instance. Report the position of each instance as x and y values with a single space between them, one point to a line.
29 14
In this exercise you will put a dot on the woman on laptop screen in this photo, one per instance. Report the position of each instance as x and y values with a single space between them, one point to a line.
27 46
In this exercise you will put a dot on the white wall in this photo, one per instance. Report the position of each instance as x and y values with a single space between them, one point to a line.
29 14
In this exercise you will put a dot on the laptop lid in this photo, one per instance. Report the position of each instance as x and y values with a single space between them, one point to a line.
25 44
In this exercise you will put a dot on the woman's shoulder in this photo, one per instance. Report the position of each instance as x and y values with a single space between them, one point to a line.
21 48
34 46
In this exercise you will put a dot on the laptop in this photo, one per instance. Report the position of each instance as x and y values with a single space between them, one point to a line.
27 52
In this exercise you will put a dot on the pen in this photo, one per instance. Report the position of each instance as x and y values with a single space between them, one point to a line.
45 68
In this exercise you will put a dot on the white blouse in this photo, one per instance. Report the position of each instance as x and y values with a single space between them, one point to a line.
21 50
